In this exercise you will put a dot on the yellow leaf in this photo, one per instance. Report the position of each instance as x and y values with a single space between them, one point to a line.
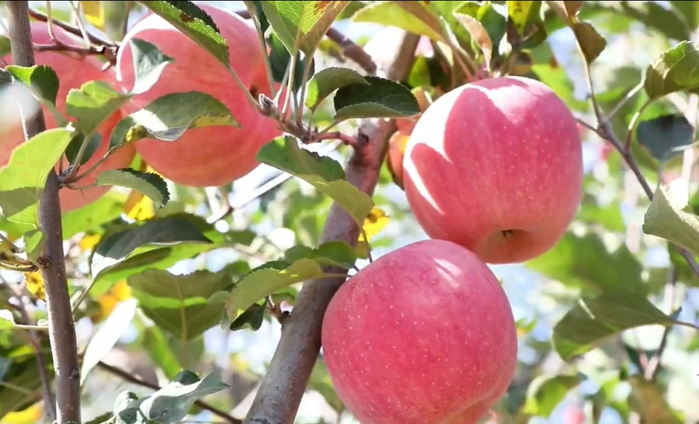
35 284
374 223
121 291
94 12
89 241
30 415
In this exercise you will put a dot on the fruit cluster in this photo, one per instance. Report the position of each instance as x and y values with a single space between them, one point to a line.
492 171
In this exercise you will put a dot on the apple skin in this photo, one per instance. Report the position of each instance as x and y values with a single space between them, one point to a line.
496 166
423 335
210 156
73 71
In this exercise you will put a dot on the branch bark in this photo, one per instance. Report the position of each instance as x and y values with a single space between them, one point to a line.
280 392
61 328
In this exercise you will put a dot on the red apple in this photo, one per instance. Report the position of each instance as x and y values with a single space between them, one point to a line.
209 156
423 335
496 166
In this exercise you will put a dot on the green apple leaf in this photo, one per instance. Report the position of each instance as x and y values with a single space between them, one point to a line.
547 391
41 79
149 62
168 117
279 59
157 244
265 280
324 173
666 135
5 46
301 25
325 82
380 98
195 23
590 41
666 218
574 261
183 305
149 184
406 15
252 318
93 103
523 14
172 402
94 141
478 33
107 336
7 320
332 253
675 70
22 180
593 320
90 218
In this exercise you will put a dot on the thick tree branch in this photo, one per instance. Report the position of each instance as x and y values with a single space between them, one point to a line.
135 380
280 392
61 328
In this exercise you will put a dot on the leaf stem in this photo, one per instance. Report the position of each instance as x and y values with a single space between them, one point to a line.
298 348
61 328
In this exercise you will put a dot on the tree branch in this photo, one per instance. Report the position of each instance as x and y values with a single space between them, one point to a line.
135 380
61 327
280 392
349 48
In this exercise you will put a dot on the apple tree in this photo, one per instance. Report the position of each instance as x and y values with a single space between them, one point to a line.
379 212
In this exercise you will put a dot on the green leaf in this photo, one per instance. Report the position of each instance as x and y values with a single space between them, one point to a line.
279 59
591 43
91 217
523 14
408 16
160 352
196 24
592 321
183 305
675 70
149 62
325 82
171 403
107 336
666 218
574 261
381 98
545 392
149 184
493 22
154 256
688 10
478 33
94 141
262 282
159 232
666 135
7 320
22 180
41 79
5 46
252 318
168 117
302 24
93 103
332 253
323 173
21 384
665 20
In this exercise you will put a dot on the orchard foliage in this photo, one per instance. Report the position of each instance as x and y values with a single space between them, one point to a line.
611 332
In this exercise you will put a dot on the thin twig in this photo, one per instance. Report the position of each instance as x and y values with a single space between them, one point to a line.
94 39
654 364
283 386
126 376
61 328
349 48
35 342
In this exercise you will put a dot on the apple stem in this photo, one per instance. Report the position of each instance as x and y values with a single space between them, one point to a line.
299 345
